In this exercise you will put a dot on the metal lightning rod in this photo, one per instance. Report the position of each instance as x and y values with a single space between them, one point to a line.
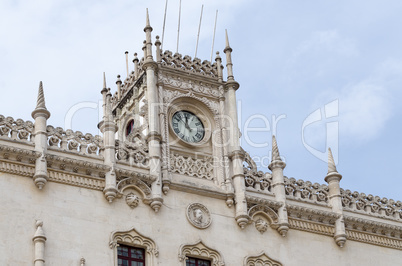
213 39
198 35
164 22
178 29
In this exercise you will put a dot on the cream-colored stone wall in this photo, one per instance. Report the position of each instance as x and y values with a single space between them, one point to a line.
78 223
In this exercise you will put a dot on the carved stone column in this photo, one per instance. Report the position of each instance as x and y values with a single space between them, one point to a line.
237 155
154 137
39 240
108 129
333 178
41 115
278 184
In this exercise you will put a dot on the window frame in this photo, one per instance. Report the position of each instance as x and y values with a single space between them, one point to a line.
129 258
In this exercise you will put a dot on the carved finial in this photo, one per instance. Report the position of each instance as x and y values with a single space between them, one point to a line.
104 81
275 150
227 47
39 230
227 38
135 57
217 55
331 162
40 104
157 42
82 262
147 23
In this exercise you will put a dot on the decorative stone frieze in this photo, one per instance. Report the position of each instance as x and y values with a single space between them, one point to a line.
183 83
186 165
200 250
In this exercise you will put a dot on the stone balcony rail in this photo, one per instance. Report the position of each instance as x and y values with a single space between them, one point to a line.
77 142
258 180
306 191
373 205
16 129
188 64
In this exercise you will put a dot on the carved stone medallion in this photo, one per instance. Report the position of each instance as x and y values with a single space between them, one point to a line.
198 215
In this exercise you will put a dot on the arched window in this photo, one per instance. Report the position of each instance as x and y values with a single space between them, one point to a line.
129 127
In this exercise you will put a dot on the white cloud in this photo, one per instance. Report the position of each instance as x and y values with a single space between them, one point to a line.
364 110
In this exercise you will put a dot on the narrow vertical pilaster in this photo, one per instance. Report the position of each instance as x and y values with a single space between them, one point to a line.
236 153
278 184
154 138
39 240
108 129
41 115
333 179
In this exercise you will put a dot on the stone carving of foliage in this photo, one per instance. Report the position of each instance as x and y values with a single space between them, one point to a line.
306 190
256 179
16 129
186 64
371 204
187 84
201 251
260 260
170 96
134 150
186 165
133 238
74 141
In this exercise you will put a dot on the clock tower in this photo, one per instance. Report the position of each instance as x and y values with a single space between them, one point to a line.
176 119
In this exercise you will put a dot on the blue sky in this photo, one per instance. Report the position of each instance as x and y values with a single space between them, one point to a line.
329 73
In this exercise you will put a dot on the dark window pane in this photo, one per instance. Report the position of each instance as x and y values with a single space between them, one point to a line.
137 253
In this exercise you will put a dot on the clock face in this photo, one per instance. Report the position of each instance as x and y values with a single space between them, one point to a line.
188 126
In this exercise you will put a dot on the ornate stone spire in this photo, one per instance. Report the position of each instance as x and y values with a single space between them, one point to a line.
275 150
40 104
227 47
104 83
229 64
147 24
331 162
41 97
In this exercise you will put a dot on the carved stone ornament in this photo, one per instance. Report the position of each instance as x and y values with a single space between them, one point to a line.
198 215
132 200
260 260
261 225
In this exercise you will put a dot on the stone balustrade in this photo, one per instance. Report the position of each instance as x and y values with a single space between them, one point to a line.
74 141
188 64
16 129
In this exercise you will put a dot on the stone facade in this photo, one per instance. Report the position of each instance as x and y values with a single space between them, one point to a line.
70 198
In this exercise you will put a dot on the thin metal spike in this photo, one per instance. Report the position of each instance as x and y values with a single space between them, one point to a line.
213 38
199 29
178 29
164 23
